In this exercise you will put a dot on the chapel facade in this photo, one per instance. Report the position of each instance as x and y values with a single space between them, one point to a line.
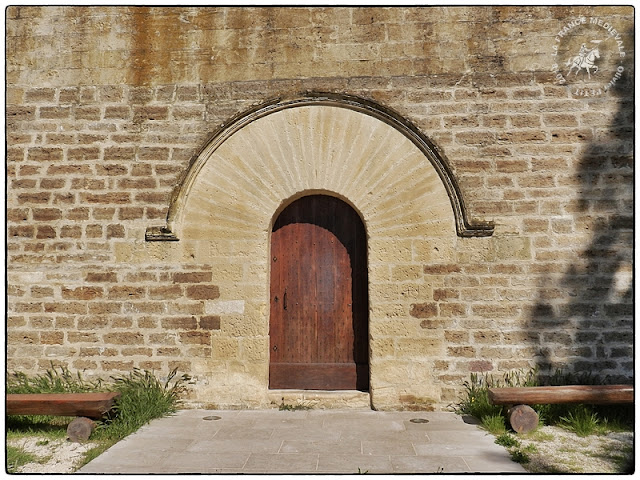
340 205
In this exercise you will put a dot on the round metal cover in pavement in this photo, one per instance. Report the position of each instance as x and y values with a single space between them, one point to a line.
419 420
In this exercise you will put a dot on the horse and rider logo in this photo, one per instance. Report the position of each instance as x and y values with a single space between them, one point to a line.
586 59
587 53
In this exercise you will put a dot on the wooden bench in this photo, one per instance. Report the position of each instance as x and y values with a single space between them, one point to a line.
523 418
85 406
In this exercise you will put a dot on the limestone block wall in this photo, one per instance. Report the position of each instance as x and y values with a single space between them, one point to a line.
110 110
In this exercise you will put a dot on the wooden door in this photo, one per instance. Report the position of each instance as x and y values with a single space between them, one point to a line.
319 300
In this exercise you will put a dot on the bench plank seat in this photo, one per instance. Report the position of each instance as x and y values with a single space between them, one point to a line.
92 405
589 394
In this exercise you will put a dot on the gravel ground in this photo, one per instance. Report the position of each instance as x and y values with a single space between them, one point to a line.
58 456
560 451
557 451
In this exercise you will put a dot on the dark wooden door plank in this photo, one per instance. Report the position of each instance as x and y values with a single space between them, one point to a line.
314 376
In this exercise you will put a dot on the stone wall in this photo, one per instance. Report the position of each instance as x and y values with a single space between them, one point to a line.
108 109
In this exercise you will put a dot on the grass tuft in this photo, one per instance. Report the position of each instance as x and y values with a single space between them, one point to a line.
519 456
581 421
54 380
301 405
507 440
143 397
287 407
16 457
494 424
476 399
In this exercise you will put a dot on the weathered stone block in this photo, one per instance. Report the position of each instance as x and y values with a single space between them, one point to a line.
194 337
424 310
123 338
126 292
209 322
82 293
202 292
184 323
192 277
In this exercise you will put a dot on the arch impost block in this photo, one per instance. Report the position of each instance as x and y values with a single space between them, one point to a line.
160 234
465 226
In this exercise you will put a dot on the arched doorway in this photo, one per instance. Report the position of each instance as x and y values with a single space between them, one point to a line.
319 300
221 218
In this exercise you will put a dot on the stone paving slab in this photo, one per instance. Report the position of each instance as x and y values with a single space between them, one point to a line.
305 442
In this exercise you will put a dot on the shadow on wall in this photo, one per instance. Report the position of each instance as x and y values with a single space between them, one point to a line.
586 316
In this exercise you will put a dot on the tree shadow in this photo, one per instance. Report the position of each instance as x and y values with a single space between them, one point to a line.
585 314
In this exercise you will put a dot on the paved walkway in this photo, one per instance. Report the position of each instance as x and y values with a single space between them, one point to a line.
309 441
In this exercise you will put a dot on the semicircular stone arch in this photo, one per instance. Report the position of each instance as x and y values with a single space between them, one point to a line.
330 133
314 149
223 214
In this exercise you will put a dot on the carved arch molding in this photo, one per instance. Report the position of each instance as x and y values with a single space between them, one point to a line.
327 136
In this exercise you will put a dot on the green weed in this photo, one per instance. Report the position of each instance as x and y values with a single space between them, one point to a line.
494 424
95 452
476 398
143 397
521 378
513 446
581 421
54 380
537 435
519 456
507 440
288 407
17 457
